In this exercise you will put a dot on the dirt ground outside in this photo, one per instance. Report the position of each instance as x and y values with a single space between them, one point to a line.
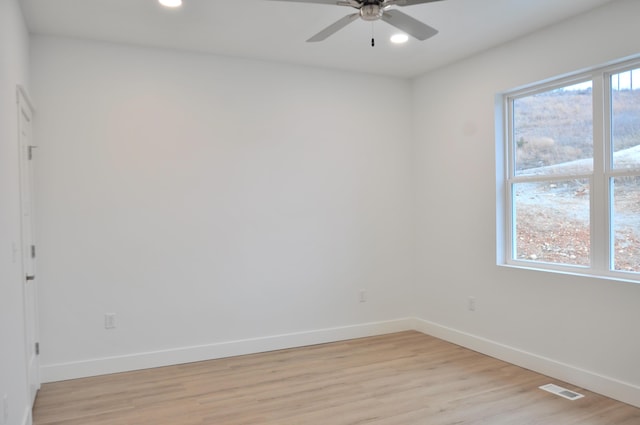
553 224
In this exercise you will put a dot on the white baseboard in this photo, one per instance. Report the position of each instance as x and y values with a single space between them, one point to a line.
107 365
610 387
27 419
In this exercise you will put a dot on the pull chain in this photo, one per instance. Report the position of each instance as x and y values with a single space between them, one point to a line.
373 41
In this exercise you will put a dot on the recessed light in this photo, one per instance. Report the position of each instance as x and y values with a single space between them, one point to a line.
399 38
171 3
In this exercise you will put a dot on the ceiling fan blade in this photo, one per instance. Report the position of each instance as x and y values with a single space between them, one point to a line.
406 23
333 28
411 2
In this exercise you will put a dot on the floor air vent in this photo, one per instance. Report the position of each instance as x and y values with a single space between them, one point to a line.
562 392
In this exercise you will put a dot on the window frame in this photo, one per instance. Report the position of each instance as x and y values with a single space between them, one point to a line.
601 178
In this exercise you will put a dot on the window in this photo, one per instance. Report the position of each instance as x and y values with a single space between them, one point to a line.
572 168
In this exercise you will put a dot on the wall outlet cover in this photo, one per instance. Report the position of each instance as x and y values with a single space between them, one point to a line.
109 320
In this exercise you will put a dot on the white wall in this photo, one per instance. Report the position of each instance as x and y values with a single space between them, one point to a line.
581 329
208 200
13 71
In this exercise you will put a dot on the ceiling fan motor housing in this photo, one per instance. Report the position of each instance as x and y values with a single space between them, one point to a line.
371 12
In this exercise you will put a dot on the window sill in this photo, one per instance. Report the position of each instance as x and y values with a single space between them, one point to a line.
577 272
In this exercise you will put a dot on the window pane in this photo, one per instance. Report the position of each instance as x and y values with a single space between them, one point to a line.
551 222
553 132
626 224
625 119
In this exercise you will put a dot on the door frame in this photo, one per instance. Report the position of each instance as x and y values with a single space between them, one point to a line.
27 235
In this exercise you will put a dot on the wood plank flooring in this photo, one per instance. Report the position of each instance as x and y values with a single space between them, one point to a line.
398 379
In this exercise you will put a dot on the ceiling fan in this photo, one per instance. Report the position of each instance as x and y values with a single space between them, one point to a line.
373 10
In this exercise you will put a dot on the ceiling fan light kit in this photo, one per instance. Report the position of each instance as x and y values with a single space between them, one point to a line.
374 10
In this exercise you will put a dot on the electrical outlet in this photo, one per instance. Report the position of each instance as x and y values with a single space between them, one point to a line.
363 296
472 303
110 321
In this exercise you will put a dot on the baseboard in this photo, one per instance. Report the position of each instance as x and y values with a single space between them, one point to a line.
137 361
27 419
610 387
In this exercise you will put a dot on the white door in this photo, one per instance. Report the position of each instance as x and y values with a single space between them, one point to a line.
30 295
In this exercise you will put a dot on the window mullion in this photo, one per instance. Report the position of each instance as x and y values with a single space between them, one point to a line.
600 214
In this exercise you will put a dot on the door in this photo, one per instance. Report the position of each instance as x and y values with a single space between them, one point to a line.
29 288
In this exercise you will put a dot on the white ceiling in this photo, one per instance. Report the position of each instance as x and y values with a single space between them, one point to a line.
276 31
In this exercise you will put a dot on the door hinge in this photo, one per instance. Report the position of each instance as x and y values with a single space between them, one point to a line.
37 348
30 149
33 251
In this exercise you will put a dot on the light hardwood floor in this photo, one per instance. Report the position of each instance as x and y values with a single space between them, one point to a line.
398 379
